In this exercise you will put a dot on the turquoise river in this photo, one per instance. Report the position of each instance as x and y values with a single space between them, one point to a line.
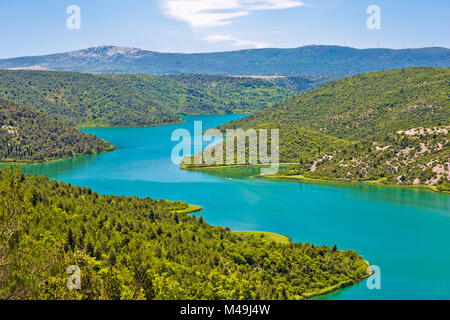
406 232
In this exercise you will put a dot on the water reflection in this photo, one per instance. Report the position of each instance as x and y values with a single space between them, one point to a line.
56 169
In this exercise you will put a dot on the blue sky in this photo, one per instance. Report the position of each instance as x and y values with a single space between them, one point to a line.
30 27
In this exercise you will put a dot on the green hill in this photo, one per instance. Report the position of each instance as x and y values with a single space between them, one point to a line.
29 136
416 157
130 248
83 99
367 105
203 94
301 83
295 145
389 126
135 100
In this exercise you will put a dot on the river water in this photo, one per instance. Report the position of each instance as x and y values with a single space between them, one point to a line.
406 232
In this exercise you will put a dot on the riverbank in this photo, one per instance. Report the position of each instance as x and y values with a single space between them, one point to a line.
268 237
46 161
282 239
303 178
107 126
142 167
339 286
191 167
373 182
25 162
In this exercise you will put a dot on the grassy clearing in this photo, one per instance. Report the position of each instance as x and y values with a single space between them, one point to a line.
190 209
264 236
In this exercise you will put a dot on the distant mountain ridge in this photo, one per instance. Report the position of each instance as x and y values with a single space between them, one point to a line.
307 60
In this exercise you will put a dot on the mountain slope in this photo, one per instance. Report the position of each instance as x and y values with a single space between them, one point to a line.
308 60
83 99
295 145
302 83
135 100
130 248
392 127
367 105
419 156
205 94
29 136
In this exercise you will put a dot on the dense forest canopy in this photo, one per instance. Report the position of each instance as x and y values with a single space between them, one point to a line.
130 248
366 105
136 100
302 83
83 99
389 126
27 135
189 94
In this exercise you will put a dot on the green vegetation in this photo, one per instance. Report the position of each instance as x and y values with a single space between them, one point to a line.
189 209
263 236
83 99
365 106
130 248
87 100
302 83
417 157
390 127
296 145
202 94
29 136
445 187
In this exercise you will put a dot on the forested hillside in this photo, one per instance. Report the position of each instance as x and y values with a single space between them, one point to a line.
135 100
367 105
389 126
314 60
295 145
302 83
29 136
83 99
130 248
202 94
418 156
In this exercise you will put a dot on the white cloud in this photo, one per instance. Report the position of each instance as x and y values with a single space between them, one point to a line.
236 42
216 13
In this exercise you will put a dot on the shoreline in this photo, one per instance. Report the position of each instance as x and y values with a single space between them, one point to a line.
334 288
306 179
218 167
372 182
285 240
22 162
143 126
282 239
192 208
